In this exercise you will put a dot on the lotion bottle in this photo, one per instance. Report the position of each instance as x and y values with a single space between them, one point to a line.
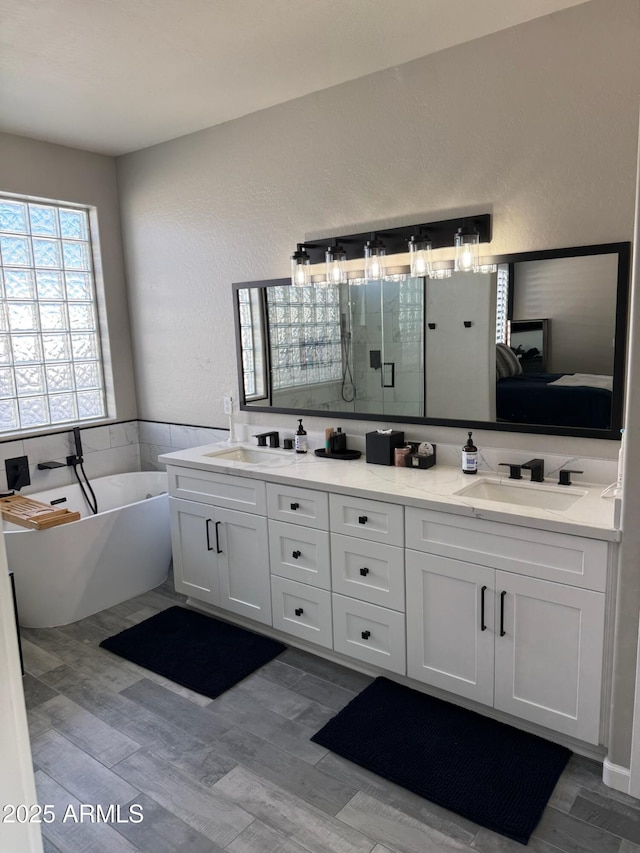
469 457
301 438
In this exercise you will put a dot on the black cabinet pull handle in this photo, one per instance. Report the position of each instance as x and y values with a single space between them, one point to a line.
206 527
483 627
362 519
366 635
364 571
294 507
218 548
299 611
296 554
502 595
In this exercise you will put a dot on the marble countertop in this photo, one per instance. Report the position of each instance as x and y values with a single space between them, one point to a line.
433 488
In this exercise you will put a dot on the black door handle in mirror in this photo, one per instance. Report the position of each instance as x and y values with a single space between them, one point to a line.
206 527
218 548
366 635
483 627
362 519
299 611
296 554
364 571
502 595
294 507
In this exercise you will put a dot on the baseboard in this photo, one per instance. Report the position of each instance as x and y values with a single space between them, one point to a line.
615 776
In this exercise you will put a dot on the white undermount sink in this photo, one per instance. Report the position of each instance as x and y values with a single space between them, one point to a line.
249 455
523 494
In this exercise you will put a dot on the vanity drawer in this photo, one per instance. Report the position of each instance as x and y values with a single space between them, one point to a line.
300 553
301 610
368 571
375 520
370 633
559 557
298 506
243 493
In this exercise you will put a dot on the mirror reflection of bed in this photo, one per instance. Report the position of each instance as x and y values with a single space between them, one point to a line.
561 371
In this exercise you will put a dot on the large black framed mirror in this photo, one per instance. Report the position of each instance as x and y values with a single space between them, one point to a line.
535 342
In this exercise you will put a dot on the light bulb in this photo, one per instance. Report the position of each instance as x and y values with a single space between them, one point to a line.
420 257
467 246
374 260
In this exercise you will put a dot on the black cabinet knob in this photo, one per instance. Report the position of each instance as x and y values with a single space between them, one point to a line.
366 635
362 519
294 507
299 611
296 554
364 571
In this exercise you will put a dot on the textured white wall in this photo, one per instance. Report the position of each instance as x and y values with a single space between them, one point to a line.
537 124
29 167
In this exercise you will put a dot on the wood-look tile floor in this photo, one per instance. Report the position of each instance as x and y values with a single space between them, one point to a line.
239 773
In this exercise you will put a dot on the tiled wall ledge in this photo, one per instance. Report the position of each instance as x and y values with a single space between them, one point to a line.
109 449
135 446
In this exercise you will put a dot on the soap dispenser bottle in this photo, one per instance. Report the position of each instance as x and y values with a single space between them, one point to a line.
301 438
470 457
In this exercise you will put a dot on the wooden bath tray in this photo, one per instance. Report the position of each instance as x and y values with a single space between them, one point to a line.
34 514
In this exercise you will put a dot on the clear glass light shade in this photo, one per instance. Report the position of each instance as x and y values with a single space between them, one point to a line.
336 261
420 257
374 261
300 269
467 251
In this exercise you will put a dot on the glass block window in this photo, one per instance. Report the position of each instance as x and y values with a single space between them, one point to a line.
502 304
252 342
304 327
50 354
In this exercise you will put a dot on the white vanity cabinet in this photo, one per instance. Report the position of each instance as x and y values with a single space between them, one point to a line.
300 562
367 571
219 550
517 623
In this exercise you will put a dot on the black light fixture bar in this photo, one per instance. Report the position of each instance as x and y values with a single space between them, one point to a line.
442 235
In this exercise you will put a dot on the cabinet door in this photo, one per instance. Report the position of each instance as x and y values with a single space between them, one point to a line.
244 564
193 540
450 617
549 641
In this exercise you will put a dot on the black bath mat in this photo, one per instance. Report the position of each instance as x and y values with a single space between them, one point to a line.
494 774
197 651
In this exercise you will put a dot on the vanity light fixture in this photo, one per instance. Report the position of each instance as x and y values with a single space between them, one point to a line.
374 259
300 267
467 244
420 258
336 261
379 246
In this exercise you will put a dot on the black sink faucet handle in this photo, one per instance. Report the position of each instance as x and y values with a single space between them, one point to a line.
514 470
536 466
564 476
273 436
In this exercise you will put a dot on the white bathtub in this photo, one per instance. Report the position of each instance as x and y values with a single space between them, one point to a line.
71 571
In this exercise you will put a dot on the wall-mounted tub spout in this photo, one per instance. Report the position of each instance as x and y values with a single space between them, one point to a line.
47 466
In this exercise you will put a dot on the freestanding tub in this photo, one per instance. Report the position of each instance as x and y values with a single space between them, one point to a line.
71 571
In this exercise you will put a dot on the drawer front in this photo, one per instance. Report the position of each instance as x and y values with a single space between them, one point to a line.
559 557
375 520
370 633
368 571
298 506
300 553
243 493
301 610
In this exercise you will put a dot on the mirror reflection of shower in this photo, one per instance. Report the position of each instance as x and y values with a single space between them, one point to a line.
348 390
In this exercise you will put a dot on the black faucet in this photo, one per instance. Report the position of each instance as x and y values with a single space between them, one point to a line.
274 439
514 470
536 466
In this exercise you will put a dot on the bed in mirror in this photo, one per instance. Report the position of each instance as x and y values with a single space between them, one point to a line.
535 344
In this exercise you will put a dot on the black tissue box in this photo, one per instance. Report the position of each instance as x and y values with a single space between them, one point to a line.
380 446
